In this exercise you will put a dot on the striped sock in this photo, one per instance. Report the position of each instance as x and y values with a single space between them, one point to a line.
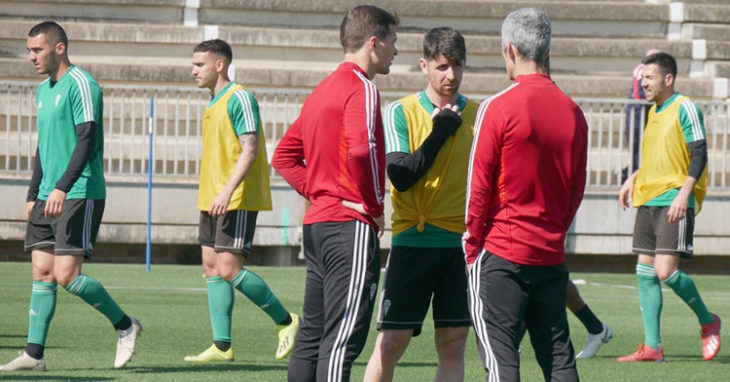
40 314
220 306
253 287
94 294
650 301
686 289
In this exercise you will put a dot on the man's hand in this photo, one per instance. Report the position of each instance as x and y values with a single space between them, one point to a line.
446 121
28 208
220 204
380 221
54 204
627 191
678 209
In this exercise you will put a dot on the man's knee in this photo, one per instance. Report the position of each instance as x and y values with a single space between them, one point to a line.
450 342
394 342
64 278
663 272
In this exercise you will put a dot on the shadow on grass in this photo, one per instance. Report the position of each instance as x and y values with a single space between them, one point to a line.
13 335
38 377
724 359
194 368
417 364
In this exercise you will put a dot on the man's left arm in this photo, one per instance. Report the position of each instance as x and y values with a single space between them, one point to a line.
693 129
580 153
85 101
243 112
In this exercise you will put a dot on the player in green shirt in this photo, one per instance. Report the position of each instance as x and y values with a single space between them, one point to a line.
66 197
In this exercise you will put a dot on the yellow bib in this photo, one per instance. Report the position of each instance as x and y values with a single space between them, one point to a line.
439 197
220 152
665 157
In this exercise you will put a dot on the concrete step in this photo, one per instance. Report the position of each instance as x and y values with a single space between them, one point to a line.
718 13
718 69
719 32
568 18
152 11
482 82
592 18
118 42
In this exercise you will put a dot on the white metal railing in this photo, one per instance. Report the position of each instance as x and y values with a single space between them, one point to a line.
178 111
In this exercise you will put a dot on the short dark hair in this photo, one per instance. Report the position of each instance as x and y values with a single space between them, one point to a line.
217 47
667 64
364 21
54 33
444 41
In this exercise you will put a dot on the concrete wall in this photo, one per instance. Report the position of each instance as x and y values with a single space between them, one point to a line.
600 227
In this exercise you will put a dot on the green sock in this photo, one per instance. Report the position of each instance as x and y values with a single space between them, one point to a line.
259 293
650 301
42 308
685 288
94 294
220 306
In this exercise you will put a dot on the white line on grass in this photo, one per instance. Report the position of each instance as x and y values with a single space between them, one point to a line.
708 295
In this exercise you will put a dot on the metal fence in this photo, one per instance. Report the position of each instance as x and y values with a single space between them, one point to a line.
178 111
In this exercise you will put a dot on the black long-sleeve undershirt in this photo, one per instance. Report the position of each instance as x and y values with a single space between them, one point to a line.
404 170
85 144
35 179
698 158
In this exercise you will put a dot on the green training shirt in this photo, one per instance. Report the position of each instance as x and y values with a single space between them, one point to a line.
72 100
243 110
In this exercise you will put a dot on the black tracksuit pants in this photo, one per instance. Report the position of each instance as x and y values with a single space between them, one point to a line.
343 268
507 299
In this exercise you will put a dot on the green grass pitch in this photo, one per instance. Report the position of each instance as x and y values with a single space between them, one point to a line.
171 303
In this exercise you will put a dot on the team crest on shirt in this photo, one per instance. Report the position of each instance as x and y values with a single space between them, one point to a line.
40 104
58 99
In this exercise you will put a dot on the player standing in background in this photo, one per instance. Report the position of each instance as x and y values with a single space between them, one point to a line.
233 187
526 180
667 189
66 196
334 156
427 155
598 332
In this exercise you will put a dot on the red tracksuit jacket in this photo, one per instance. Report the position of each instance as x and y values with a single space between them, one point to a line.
335 150
527 173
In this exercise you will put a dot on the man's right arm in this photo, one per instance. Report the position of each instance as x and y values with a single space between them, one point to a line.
288 158
35 179
35 184
405 169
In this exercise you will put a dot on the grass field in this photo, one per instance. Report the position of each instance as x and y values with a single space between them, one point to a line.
171 303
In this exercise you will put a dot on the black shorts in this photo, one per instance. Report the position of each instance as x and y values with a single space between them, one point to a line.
412 276
72 233
509 299
653 233
232 232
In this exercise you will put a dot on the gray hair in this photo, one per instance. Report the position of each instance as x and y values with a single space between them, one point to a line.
528 29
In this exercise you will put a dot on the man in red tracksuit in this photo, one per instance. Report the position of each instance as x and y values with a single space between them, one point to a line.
334 155
526 178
